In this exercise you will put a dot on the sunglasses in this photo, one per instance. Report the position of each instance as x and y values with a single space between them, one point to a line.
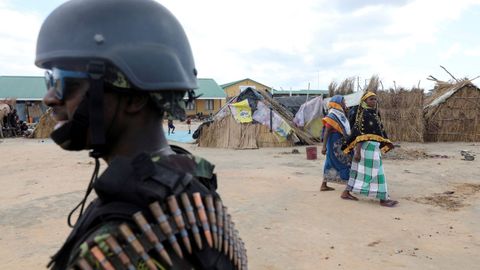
57 79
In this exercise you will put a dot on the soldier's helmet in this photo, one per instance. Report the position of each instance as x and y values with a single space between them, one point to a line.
140 38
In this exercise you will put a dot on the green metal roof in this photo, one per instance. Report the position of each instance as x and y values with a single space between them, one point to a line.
299 92
209 89
34 88
22 87
235 82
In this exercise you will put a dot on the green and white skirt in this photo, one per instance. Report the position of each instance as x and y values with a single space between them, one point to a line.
367 176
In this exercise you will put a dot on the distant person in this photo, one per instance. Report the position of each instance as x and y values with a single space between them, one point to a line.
23 126
5 120
189 125
336 129
13 119
23 129
367 141
171 127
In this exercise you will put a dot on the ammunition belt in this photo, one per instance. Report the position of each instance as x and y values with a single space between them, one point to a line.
123 249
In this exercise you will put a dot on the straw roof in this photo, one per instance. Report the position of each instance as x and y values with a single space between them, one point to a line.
45 125
444 90
452 112
344 88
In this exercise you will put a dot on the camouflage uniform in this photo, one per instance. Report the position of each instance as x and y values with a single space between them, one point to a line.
128 187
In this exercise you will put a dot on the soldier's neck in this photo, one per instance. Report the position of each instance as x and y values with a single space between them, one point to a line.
147 139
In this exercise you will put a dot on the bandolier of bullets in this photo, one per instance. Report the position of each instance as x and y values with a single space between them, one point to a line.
205 216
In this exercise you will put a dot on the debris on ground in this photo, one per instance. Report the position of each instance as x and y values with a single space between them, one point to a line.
294 151
467 155
410 154
450 200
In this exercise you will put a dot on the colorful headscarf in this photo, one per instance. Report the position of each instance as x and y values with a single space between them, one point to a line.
367 127
336 116
336 102
367 95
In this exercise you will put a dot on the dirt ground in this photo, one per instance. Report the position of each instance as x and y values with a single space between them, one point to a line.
273 195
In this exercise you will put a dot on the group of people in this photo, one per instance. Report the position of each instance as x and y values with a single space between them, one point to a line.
353 142
12 125
11 118
171 126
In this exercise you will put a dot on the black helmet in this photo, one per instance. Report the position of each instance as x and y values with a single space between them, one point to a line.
141 38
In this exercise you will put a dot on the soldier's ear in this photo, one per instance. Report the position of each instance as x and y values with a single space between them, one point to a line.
136 103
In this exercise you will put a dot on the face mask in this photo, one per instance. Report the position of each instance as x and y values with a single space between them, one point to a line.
73 134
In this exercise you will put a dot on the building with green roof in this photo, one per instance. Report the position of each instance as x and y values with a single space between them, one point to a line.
211 98
22 88
28 92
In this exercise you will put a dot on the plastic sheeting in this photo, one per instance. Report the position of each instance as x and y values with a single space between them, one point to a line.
241 111
309 111
350 99
262 115
441 99
293 103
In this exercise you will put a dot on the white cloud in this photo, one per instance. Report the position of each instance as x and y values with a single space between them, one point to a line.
475 52
18 34
453 51
291 44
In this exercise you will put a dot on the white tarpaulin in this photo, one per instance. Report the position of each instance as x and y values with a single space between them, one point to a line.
309 110
262 115
350 99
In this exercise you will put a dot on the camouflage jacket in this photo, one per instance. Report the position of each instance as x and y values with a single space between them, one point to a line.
154 212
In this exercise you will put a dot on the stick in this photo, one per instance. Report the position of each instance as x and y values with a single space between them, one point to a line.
449 73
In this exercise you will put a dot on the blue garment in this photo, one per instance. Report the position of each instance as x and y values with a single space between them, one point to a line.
336 116
337 99
337 164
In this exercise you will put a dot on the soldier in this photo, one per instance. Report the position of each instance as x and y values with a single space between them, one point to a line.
114 68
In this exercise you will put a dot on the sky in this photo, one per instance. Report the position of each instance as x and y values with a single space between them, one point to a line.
296 44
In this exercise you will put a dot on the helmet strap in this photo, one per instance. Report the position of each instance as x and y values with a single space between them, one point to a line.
81 204
96 71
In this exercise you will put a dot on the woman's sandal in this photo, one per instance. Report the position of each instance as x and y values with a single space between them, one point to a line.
326 188
388 203
349 197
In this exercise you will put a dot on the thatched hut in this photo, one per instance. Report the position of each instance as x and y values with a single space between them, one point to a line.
270 125
402 114
452 112
45 126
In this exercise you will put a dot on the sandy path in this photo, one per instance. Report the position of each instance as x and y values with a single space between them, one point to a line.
274 199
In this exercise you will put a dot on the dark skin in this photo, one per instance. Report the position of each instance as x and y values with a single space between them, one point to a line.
345 194
132 124
371 101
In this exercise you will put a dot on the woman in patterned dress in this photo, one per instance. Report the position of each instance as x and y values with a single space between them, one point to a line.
336 129
368 140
